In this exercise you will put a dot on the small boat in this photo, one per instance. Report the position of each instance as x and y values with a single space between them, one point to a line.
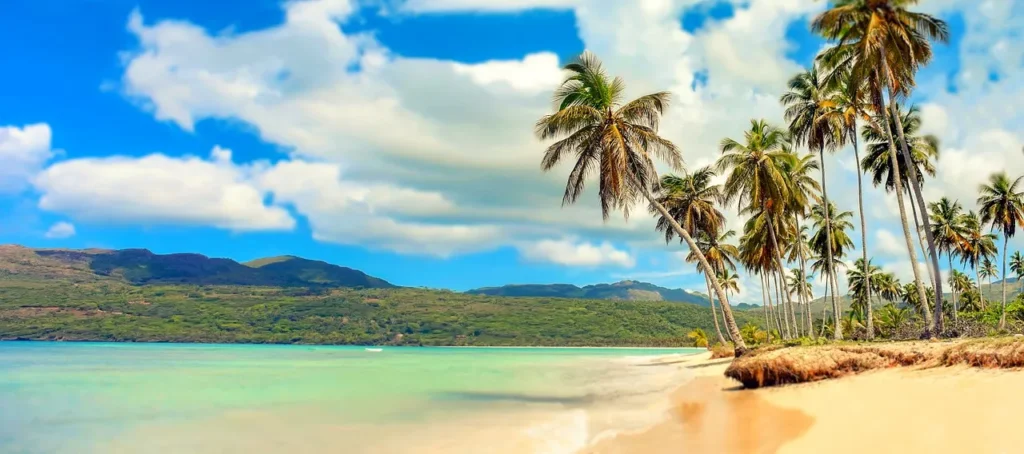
374 349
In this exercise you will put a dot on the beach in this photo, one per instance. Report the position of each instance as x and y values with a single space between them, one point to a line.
912 409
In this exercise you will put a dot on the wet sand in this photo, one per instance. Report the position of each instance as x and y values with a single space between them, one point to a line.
943 409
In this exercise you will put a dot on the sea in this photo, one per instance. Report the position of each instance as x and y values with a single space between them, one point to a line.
64 397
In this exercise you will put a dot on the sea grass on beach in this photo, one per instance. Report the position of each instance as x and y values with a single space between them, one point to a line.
790 365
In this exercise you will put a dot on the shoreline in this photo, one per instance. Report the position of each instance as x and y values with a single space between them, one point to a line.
283 344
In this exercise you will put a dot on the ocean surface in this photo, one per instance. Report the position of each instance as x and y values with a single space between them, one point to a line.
194 398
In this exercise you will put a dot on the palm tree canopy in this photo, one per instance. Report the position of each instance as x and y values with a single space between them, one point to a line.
988 270
948 225
860 277
923 149
870 32
977 245
1002 203
1017 264
691 199
720 254
730 281
888 287
840 223
757 181
804 189
616 140
798 283
809 103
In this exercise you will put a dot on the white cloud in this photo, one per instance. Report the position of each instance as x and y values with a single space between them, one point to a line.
157 189
534 73
888 244
572 252
61 229
438 6
23 151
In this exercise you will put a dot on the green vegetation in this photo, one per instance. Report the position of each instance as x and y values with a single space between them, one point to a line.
624 290
107 310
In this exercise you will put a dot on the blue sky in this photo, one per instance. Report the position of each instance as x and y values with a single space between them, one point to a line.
394 136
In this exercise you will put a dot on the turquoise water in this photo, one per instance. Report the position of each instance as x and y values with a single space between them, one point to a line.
104 397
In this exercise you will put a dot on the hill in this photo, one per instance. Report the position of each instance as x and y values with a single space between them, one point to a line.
624 290
140 266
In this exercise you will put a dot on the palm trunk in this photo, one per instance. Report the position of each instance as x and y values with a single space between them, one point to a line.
838 334
863 231
765 304
778 263
730 322
920 239
803 272
1002 317
981 295
714 315
911 250
915 183
835 291
824 309
952 288
782 306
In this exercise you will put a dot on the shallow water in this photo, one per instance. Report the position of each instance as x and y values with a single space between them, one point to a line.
92 398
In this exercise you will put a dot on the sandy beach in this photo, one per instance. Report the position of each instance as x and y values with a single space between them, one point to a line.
936 409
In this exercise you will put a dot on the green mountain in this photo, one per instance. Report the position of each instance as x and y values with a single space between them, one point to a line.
624 290
140 266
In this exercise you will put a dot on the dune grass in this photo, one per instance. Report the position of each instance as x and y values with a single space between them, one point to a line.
775 366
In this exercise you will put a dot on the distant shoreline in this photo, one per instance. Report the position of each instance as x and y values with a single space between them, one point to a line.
48 341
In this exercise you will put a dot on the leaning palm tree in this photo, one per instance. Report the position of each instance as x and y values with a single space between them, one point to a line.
830 239
808 102
948 229
617 141
757 182
884 44
1002 207
691 200
887 165
721 255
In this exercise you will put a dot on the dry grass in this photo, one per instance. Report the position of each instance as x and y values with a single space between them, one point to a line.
722 351
781 366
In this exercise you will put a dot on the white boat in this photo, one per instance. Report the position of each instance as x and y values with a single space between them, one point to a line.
374 349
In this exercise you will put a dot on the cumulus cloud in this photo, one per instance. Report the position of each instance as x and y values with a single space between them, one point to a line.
572 252
60 230
447 6
23 151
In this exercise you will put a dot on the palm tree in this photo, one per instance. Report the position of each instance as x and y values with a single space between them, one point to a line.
699 338
912 298
830 240
987 271
862 278
891 317
729 280
949 231
1002 207
884 162
959 282
970 301
757 182
799 283
617 141
807 102
888 287
721 255
1017 265
804 190
885 44
691 200
976 248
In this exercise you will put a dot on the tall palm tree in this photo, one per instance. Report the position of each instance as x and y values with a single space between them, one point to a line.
721 255
830 240
885 44
759 253
988 271
799 283
959 282
757 182
884 162
1002 207
949 231
730 280
804 191
808 102
862 278
691 200
976 248
617 141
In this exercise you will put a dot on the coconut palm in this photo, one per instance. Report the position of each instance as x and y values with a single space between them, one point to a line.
617 141
831 241
720 255
1002 207
888 287
884 44
730 280
808 102
887 165
976 248
1017 265
804 191
949 231
757 182
987 271
911 298
800 251
970 301
691 200
862 278
959 283
891 318
699 338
